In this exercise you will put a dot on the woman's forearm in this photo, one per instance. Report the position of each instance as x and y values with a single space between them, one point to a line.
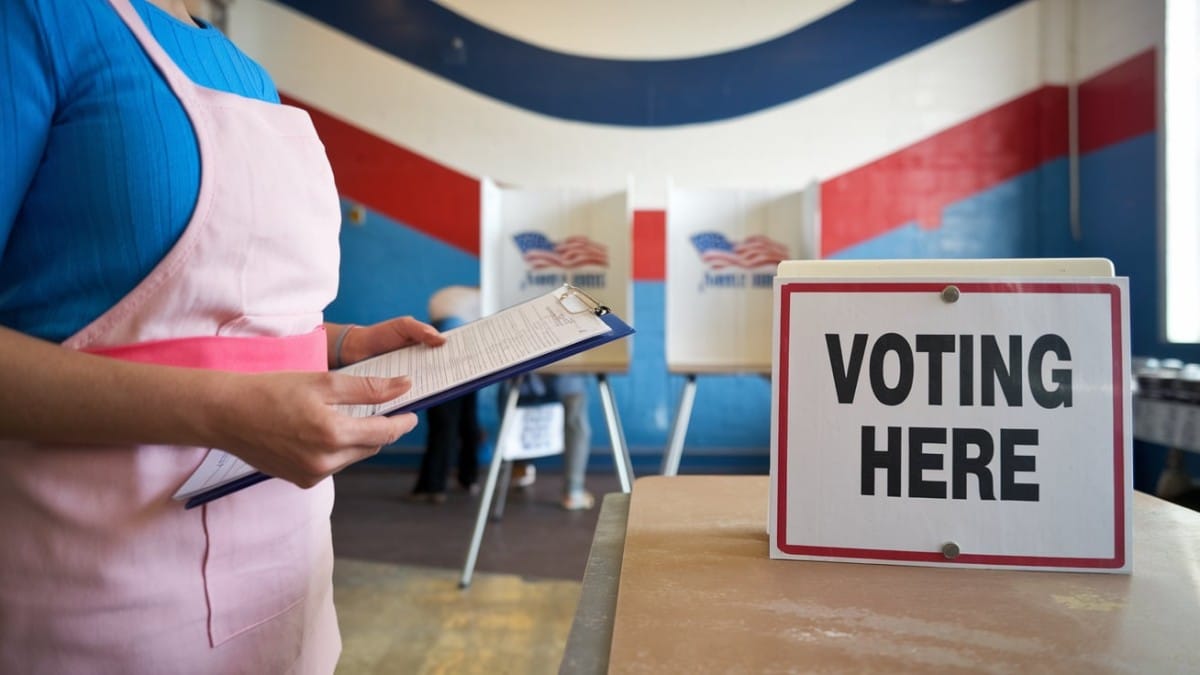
54 394
287 424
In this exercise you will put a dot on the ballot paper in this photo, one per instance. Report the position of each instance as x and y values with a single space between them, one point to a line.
515 340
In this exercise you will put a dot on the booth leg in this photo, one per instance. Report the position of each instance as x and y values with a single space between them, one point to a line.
620 450
679 428
502 491
489 488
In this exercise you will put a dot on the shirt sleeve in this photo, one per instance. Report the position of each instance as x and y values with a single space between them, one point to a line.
26 108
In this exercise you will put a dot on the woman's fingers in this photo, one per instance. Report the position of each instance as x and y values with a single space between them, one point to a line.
355 439
363 342
373 432
362 438
365 436
409 331
299 434
352 389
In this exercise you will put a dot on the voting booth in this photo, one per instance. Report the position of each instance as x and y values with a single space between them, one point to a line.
967 413
534 240
723 246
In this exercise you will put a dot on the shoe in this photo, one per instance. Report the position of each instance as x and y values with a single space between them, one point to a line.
523 475
578 500
434 498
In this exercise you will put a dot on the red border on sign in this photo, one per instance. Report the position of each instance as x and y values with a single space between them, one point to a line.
1118 558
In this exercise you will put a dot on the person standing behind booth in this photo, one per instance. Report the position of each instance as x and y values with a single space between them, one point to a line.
453 426
571 390
577 441
168 245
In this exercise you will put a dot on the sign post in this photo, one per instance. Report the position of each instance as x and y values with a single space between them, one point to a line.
952 414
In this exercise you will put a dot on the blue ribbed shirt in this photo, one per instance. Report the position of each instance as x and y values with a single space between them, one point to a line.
99 167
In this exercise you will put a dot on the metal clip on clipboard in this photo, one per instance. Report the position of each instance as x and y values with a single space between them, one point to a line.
569 293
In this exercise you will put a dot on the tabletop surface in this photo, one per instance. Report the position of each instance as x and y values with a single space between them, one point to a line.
698 594
586 652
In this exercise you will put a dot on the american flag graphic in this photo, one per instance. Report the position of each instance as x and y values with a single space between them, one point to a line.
539 252
755 251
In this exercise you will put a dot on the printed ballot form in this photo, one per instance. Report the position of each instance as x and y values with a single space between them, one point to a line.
515 340
950 414
510 337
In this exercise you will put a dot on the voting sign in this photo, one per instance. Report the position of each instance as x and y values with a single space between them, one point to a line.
952 422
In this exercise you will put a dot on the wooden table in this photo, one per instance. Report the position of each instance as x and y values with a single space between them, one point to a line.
698 594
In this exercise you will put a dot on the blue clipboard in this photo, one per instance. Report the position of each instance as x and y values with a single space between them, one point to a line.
618 330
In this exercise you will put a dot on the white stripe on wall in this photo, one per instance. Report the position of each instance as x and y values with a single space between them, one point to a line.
641 29
820 136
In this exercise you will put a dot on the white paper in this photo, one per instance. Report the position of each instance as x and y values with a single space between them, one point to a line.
534 431
515 335
218 468
507 338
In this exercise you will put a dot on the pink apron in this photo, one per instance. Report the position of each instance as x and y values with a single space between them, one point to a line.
101 571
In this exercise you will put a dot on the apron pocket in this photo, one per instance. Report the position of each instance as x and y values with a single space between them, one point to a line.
266 546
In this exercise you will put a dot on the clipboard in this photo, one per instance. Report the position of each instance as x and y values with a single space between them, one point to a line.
573 300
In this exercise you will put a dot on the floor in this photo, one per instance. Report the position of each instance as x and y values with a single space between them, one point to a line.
403 619
399 563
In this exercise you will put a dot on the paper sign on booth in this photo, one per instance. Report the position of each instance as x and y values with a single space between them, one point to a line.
533 240
535 431
959 422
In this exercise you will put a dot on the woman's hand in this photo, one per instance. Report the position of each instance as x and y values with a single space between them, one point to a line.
286 425
362 342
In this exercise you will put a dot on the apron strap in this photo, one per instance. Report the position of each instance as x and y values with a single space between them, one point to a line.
308 352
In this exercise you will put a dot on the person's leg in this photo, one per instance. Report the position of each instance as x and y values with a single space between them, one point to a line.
468 440
441 422
577 441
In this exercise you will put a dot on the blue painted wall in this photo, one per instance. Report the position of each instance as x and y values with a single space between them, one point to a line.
389 269
1119 213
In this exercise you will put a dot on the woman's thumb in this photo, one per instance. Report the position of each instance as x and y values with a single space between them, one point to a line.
354 389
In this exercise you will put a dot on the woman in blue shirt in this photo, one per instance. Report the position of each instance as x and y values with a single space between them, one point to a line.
167 245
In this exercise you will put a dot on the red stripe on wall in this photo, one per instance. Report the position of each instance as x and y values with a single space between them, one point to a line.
918 182
649 245
912 184
398 183
1119 103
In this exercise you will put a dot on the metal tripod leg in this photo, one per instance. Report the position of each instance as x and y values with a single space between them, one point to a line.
489 488
502 490
679 428
620 450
